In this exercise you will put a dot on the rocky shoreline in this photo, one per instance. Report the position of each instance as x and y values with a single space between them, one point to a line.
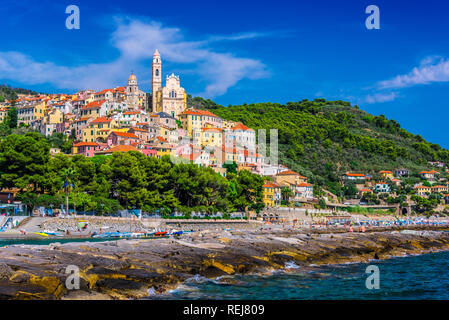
129 269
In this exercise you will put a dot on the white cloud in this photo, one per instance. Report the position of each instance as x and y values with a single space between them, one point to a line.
136 41
431 69
381 97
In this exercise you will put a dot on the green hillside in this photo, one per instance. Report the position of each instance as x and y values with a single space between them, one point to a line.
324 139
8 93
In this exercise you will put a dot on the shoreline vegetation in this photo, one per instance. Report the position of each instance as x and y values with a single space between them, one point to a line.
109 184
130 269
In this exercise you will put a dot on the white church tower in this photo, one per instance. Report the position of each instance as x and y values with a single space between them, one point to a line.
157 78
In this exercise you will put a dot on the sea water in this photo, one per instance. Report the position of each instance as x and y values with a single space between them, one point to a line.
412 277
47 241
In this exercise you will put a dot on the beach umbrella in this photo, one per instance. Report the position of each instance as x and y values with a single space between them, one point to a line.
82 225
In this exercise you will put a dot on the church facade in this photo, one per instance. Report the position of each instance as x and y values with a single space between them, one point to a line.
171 99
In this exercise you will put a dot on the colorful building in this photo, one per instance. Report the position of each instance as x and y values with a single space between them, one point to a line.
271 194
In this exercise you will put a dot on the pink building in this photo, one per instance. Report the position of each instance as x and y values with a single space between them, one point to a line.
87 149
148 151
124 138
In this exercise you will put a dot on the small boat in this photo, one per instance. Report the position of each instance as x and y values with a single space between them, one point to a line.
52 233
160 234
41 234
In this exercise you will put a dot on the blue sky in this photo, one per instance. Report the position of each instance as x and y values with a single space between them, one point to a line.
243 51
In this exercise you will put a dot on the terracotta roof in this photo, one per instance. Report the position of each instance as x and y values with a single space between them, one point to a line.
161 139
131 112
104 91
200 113
119 148
241 126
270 184
290 173
125 134
101 120
355 175
211 129
431 172
137 129
304 184
85 144
94 105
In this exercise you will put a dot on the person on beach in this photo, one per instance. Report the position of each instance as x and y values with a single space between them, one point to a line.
362 229
350 229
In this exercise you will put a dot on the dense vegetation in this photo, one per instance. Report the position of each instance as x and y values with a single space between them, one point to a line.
8 93
324 139
123 180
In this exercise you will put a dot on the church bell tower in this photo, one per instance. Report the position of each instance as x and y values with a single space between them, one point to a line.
157 77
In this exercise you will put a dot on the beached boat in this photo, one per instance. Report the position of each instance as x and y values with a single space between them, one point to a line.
41 234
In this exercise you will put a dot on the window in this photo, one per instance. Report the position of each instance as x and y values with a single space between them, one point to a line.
157 72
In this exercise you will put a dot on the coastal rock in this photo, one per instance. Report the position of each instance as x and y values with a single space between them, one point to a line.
5 271
130 269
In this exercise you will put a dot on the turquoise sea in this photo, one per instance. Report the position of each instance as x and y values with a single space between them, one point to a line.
46 241
413 277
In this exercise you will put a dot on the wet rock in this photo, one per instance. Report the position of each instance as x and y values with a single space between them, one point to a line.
5 271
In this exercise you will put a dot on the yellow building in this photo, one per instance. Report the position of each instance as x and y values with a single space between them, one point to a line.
386 174
439 189
98 128
271 194
30 113
194 120
211 137
52 117
289 177
163 150
423 190
3 114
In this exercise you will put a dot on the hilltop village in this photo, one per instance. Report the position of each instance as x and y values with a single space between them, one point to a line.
160 124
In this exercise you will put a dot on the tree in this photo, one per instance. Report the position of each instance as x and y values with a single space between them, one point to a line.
249 191
23 161
12 118
230 167
286 193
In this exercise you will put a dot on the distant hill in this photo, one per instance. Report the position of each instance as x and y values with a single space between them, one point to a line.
8 93
324 139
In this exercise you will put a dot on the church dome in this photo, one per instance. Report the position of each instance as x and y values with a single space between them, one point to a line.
132 77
